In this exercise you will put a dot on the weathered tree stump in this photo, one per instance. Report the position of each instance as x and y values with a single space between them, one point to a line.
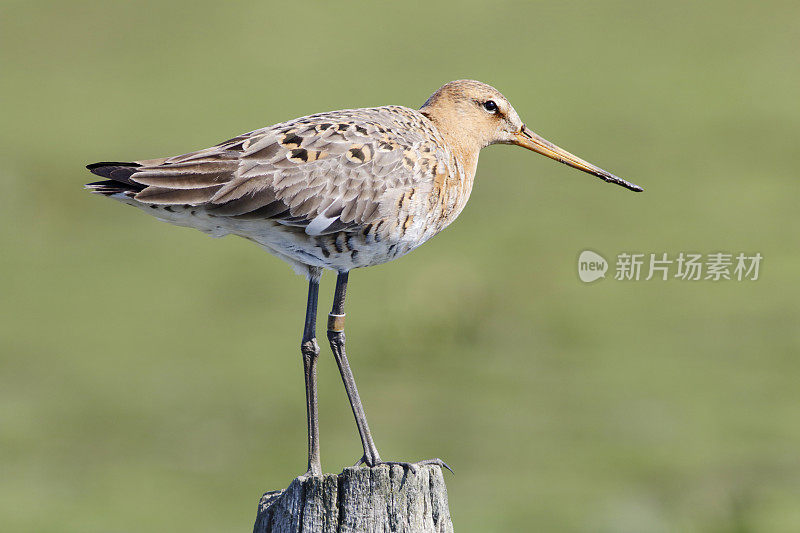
359 500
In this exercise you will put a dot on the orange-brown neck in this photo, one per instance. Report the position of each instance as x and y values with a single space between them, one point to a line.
465 147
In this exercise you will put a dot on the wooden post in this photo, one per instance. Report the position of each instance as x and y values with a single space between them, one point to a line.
359 500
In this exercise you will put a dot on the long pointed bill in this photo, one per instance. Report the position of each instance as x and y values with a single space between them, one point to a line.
527 139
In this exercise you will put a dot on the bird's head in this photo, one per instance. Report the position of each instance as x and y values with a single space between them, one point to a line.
473 115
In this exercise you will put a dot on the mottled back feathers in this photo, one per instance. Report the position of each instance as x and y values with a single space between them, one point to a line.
327 172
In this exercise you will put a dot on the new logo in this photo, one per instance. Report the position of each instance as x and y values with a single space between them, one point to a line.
591 266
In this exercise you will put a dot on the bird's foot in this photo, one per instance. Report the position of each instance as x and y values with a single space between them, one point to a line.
411 466
314 469
311 473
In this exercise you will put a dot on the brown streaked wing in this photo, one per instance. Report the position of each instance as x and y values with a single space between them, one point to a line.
328 172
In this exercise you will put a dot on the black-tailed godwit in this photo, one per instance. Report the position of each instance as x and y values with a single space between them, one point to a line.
338 191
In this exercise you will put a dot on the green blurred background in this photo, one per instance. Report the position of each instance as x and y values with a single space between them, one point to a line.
151 377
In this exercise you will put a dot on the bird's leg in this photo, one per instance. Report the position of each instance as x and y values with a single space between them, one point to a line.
310 350
336 337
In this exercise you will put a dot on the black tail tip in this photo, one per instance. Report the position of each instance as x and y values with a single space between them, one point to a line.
102 164
108 187
114 170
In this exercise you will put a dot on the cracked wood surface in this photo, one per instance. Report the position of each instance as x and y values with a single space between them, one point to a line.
360 499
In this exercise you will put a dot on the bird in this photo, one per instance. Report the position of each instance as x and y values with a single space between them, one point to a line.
336 191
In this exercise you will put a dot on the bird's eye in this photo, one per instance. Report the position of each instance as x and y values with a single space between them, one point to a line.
490 106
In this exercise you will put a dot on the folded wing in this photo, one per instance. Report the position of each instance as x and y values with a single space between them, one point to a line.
326 173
